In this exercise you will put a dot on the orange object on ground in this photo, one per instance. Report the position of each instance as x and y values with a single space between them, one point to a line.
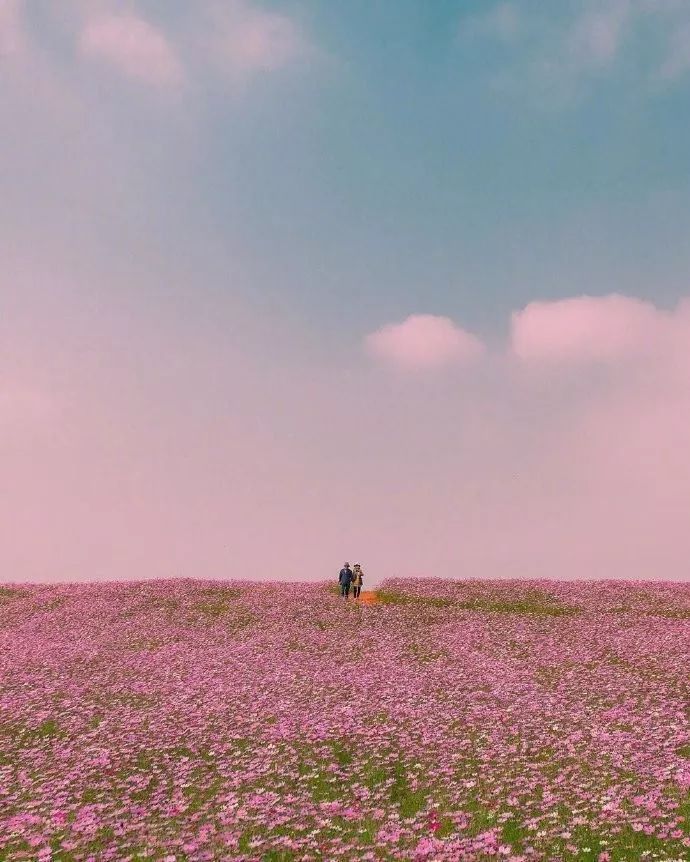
369 598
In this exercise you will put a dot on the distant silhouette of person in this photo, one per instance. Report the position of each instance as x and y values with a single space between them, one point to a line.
345 579
357 580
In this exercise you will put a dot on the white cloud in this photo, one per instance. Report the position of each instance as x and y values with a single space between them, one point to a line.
134 46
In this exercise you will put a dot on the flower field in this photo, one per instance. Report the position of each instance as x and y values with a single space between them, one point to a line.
186 720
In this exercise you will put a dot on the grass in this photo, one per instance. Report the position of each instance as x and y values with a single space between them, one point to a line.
47 729
216 601
524 607
530 602
680 614
533 602
424 655
28 737
409 802
390 597
323 625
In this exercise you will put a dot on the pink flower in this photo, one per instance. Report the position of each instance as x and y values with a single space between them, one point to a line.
424 847
59 817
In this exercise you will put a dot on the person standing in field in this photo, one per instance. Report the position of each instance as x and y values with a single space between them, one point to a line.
357 580
345 579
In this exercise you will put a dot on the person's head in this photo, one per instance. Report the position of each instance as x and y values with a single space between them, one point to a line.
347 565
357 566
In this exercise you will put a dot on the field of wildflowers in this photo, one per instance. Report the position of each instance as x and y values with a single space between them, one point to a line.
185 720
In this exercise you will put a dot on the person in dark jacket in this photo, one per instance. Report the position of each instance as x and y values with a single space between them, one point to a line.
345 579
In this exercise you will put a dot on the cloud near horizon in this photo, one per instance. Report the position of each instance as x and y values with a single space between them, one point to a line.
230 464
577 330
581 472
424 341
588 329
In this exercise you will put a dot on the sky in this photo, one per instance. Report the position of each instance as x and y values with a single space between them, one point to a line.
288 283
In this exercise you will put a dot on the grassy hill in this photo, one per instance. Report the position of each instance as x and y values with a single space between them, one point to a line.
186 720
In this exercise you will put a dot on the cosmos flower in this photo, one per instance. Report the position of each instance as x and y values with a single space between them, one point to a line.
187 721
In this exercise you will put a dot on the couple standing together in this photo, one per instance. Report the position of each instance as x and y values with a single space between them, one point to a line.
351 578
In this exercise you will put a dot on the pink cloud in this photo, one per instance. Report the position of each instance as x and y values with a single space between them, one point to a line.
424 341
248 40
134 46
587 329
